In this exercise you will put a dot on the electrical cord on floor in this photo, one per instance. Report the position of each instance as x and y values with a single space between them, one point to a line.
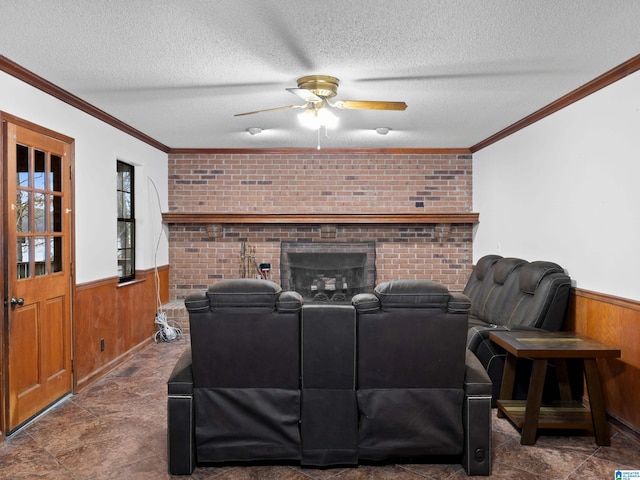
167 330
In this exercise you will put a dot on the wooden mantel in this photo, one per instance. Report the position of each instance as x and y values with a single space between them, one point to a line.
318 218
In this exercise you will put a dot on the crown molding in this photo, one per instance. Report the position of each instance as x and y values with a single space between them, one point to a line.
324 151
46 86
604 80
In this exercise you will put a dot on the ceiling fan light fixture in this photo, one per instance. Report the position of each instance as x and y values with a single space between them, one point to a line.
314 118
254 130
323 86
382 130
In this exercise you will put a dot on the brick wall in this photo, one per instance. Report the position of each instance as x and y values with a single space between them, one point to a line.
319 183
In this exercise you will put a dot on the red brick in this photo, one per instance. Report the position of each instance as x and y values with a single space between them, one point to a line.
283 183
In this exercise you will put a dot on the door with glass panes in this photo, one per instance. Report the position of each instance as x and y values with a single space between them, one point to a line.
38 258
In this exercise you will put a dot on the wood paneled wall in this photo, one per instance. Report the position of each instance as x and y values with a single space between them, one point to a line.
120 314
614 321
123 315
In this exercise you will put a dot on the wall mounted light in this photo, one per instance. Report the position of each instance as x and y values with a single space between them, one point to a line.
382 130
254 130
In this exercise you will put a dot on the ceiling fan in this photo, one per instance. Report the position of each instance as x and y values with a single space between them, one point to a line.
316 90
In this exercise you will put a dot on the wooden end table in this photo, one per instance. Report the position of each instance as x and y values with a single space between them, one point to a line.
540 346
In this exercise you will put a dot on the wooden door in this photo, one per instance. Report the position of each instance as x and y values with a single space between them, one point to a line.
38 259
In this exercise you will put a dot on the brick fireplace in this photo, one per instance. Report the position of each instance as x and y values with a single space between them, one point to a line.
415 209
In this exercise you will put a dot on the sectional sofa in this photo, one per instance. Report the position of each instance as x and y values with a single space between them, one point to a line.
513 294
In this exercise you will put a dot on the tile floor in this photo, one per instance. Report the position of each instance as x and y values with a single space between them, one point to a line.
116 429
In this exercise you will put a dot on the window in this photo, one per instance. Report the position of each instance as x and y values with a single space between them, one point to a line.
126 223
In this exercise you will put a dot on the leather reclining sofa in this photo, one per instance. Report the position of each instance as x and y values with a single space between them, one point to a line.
387 378
513 294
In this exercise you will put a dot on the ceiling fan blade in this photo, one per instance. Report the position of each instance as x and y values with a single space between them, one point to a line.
306 95
270 110
369 105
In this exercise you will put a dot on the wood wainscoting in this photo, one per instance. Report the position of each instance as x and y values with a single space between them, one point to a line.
123 316
616 322
113 321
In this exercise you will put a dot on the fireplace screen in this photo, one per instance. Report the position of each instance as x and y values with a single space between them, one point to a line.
328 272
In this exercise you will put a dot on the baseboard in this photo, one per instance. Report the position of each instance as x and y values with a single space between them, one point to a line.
105 369
624 428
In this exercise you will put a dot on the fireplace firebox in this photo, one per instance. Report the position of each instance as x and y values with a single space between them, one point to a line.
328 272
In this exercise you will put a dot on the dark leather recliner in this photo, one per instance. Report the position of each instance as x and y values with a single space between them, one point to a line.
513 294
323 385
235 395
420 391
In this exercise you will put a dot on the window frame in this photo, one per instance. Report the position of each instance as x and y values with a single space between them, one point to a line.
124 194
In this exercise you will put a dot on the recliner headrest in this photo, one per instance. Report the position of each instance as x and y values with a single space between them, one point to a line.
244 292
504 267
532 274
484 264
412 294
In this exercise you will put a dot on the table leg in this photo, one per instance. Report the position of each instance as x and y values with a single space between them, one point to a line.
508 379
534 399
596 400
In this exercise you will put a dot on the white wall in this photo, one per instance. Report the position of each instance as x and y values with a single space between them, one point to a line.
567 189
97 148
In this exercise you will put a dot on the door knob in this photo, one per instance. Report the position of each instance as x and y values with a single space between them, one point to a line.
17 301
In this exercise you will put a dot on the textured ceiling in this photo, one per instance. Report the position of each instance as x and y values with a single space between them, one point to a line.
178 71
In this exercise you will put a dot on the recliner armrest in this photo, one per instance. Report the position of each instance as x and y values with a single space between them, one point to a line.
476 455
197 302
181 452
458 303
181 378
366 303
526 328
476 378
479 334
